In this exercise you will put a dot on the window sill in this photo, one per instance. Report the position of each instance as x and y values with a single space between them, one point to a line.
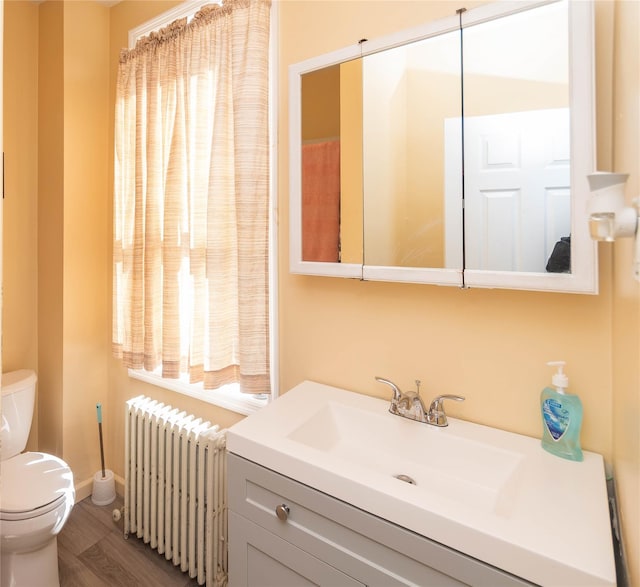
227 397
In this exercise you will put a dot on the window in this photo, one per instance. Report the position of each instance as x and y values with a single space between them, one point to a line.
193 266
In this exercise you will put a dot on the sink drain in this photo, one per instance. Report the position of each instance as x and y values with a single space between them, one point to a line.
405 478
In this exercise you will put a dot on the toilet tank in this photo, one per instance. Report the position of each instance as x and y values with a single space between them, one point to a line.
18 398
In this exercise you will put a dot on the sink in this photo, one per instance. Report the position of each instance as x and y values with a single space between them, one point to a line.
492 494
447 465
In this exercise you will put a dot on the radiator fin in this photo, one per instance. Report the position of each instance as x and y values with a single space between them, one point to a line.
175 496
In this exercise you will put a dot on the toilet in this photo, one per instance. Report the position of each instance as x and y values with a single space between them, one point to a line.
36 493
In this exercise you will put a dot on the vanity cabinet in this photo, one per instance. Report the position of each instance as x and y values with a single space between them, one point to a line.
283 533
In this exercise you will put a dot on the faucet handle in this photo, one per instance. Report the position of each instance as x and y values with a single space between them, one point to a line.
397 394
436 413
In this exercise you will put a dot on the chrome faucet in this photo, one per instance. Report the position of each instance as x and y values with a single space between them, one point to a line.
436 414
409 405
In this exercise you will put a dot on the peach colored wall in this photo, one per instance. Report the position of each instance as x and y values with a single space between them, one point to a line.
351 162
20 242
384 135
419 247
626 299
320 116
86 302
50 225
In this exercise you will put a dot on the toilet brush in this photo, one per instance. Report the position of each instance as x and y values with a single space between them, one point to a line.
104 487
99 408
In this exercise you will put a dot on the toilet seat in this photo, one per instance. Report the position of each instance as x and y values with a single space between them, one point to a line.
33 484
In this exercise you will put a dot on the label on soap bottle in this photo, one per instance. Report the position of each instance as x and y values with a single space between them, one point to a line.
556 418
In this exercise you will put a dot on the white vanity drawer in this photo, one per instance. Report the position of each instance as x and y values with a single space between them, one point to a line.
364 547
261 559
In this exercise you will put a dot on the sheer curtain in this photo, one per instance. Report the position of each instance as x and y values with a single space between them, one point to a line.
191 199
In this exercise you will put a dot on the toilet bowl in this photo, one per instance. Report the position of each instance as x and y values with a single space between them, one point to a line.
37 494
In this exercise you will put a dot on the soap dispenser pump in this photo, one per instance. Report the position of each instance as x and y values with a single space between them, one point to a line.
561 417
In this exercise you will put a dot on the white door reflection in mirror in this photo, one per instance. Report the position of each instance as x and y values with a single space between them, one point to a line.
517 188
517 143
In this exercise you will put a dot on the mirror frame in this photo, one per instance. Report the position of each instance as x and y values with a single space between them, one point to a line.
584 270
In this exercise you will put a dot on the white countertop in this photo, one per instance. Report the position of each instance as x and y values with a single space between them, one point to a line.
546 520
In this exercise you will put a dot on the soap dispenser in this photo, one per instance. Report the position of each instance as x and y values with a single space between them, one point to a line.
561 417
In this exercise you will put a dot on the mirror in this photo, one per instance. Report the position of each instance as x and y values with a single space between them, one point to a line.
331 163
455 153
516 140
409 94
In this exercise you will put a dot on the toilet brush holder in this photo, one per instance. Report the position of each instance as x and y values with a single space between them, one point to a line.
104 488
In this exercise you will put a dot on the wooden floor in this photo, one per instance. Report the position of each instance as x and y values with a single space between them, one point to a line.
92 552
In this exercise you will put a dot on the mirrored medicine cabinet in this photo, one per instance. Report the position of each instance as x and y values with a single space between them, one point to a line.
454 153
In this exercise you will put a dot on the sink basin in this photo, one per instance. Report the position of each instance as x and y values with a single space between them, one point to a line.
447 465
491 494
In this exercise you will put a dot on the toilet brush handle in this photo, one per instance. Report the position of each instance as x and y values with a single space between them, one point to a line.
99 409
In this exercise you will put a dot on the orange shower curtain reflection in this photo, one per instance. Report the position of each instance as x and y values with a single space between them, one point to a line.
321 201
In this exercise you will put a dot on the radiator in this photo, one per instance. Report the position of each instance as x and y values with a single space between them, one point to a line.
175 496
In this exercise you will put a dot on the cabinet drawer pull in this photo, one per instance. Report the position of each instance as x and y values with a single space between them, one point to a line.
282 511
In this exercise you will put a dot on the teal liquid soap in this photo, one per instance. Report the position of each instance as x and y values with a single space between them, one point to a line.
561 418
